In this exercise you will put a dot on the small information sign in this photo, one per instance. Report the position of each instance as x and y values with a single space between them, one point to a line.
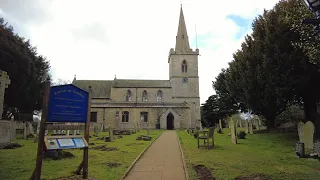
67 142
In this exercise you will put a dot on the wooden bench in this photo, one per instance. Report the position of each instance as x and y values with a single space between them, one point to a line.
206 136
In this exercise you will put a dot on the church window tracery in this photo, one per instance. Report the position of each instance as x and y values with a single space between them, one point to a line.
125 116
184 66
128 96
159 95
144 96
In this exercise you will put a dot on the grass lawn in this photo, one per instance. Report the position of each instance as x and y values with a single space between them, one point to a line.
19 163
271 154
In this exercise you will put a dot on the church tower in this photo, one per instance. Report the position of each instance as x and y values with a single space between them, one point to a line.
183 72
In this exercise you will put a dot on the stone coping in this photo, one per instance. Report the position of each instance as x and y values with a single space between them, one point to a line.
140 155
183 159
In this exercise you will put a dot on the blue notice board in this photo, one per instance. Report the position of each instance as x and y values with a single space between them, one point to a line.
67 103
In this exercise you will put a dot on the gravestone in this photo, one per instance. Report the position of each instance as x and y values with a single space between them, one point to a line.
316 148
6 131
4 83
111 134
31 130
7 128
250 127
308 135
233 132
257 123
220 124
247 126
300 131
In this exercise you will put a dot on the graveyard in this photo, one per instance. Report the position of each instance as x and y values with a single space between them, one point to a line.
260 155
107 160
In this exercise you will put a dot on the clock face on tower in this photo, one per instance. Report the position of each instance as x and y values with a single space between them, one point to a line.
185 80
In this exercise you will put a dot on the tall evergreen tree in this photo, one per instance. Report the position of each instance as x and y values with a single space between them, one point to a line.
26 69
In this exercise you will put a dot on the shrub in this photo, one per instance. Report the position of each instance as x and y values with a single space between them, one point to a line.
242 135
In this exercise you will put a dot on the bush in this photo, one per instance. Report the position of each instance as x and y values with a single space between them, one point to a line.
242 135
195 134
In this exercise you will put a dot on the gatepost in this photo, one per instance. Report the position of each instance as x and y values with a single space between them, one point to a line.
64 104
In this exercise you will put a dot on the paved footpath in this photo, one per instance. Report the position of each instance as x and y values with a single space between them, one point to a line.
161 161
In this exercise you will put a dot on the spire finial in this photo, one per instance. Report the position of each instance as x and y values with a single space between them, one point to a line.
74 79
115 76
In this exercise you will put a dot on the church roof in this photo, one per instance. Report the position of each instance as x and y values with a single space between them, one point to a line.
100 88
139 83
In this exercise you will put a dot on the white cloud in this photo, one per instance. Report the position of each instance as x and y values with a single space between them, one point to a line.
100 38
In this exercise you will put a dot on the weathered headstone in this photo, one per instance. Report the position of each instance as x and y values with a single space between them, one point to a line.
233 132
220 124
6 131
247 126
300 131
148 130
257 123
4 83
111 134
250 127
31 131
308 135
316 148
38 128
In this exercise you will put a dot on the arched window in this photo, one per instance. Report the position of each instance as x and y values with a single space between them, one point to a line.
125 116
144 116
144 96
159 95
129 95
184 66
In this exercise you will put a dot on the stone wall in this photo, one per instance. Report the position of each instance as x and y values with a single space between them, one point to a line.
119 94
107 116
7 131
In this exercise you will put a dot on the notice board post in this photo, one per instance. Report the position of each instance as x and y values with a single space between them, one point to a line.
86 136
64 104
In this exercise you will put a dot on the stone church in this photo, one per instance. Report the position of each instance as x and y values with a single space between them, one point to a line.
157 104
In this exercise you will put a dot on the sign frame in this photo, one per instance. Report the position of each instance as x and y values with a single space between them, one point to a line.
36 175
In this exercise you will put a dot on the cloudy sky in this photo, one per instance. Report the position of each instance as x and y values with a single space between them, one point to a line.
99 39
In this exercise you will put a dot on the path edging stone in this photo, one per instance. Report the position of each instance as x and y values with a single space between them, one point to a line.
183 159
140 155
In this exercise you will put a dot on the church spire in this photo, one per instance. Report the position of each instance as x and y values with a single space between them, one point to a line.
182 42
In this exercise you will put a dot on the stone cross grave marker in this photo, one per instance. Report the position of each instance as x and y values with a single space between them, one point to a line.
233 132
4 83
308 135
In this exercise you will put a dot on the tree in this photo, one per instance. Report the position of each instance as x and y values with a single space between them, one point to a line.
61 82
277 64
27 70
221 105
307 90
